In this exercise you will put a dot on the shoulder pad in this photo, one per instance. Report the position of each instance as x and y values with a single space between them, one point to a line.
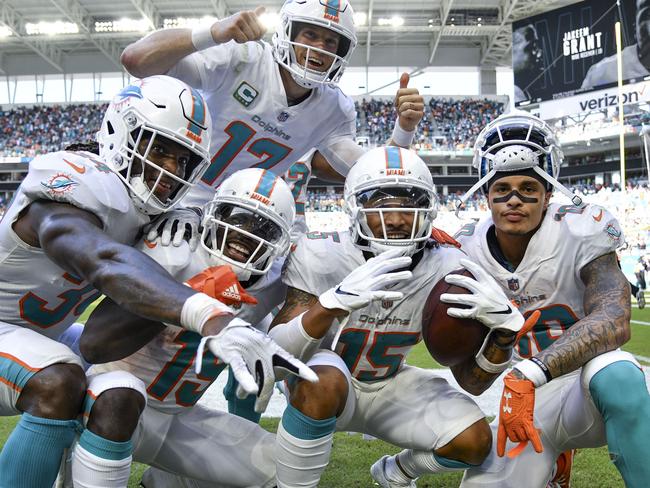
75 178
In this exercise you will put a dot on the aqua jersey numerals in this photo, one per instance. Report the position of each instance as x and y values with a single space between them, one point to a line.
188 392
37 311
553 322
316 235
297 177
240 134
380 355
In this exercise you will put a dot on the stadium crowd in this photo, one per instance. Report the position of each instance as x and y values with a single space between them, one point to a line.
448 124
27 131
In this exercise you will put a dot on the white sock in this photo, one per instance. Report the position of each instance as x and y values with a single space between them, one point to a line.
417 463
90 471
301 462
394 473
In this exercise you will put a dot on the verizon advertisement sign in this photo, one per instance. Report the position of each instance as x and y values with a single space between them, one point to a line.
596 100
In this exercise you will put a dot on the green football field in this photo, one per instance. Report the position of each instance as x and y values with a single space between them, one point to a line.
352 456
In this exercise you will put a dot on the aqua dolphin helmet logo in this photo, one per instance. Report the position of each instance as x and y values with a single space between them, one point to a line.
130 91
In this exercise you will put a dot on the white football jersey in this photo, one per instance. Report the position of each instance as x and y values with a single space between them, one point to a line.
605 70
166 364
377 338
252 123
548 277
34 291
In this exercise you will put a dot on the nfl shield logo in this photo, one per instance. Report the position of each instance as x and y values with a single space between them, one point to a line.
386 303
283 116
513 284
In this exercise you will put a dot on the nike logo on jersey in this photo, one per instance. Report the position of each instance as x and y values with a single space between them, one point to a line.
231 292
149 244
79 169
598 217
507 311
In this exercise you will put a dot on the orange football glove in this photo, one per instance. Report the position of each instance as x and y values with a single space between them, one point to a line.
528 325
221 282
516 416
441 237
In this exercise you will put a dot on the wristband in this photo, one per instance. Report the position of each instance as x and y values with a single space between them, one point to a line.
199 308
202 37
485 364
402 137
535 370
294 339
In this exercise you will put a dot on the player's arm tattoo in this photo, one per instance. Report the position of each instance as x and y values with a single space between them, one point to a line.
606 325
474 379
296 302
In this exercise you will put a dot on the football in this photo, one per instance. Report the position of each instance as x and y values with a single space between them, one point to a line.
450 341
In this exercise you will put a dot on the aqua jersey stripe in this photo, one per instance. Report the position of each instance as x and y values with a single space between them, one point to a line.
393 158
13 373
266 184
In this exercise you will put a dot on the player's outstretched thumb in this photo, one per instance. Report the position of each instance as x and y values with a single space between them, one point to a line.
259 10
404 80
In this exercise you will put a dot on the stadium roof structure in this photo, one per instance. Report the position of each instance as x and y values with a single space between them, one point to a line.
415 33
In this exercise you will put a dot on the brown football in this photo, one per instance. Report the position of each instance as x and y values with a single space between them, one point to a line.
449 340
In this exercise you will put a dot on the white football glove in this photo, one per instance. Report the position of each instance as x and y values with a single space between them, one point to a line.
252 355
488 304
367 283
176 222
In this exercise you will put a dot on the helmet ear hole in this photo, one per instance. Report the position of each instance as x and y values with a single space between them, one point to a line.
109 128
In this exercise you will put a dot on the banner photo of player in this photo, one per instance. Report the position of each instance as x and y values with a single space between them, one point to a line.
572 50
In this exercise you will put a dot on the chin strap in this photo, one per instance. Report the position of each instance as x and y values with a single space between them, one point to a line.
473 190
575 199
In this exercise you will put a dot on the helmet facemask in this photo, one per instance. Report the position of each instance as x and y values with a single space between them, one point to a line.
389 208
284 51
245 237
144 177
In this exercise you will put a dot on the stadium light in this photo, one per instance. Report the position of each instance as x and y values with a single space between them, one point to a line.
178 22
360 18
394 21
123 25
51 28
5 31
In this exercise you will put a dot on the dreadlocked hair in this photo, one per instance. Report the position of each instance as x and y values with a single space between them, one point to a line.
89 146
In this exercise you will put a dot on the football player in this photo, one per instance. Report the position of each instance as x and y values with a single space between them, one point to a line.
271 103
364 384
67 237
573 383
246 234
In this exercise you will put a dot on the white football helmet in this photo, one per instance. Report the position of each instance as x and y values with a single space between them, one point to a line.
151 109
248 222
514 142
335 15
385 180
